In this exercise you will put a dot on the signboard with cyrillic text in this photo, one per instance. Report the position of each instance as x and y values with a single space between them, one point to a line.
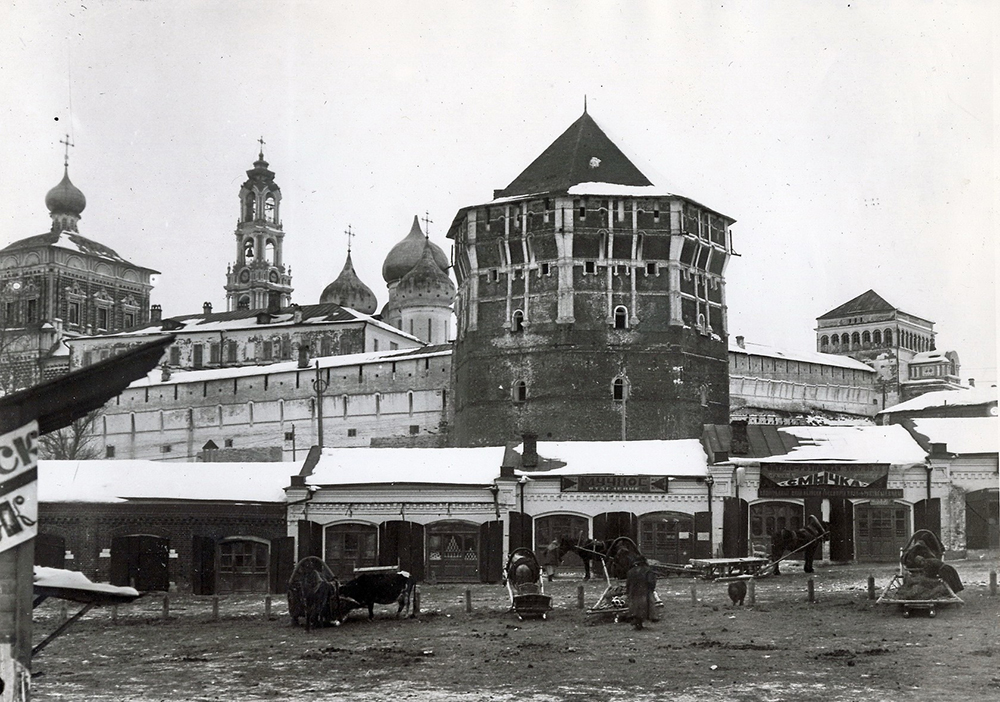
614 483
18 486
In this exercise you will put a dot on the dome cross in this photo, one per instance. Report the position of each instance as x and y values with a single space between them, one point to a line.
67 143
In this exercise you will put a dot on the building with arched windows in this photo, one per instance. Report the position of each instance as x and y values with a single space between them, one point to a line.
889 340
577 280
61 284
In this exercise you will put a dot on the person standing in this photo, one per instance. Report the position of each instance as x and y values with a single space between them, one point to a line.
640 589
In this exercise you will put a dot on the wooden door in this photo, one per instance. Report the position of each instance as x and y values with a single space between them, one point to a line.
881 532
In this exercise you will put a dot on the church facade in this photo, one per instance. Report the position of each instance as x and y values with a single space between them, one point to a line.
59 285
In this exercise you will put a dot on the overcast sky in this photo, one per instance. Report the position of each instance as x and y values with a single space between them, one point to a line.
852 142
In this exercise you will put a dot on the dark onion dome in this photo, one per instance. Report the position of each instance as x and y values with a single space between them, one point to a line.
424 284
348 291
407 253
65 198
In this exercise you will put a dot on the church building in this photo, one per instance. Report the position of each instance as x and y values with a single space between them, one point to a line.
61 284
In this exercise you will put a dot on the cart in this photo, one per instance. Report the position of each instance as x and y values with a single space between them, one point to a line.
613 602
522 576
911 588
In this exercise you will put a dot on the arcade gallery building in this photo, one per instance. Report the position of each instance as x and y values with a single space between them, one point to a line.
453 514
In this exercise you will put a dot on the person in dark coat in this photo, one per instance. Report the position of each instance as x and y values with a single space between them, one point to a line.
640 589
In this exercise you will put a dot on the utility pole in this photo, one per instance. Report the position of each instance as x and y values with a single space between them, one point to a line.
319 385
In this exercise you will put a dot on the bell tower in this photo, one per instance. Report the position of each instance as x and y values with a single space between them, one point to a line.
259 273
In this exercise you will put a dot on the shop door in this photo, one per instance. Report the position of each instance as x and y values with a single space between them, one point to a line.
140 561
766 518
351 546
667 537
453 552
561 526
243 566
882 531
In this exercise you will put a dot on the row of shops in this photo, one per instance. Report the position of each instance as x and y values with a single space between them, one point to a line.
452 514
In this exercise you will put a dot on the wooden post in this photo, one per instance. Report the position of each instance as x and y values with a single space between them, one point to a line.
114 614
871 587
752 591
468 600
63 612
215 608
166 606
812 591
416 600
579 596
694 592
267 607
993 582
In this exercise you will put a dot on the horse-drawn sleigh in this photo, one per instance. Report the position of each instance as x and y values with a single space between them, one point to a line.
523 578
924 581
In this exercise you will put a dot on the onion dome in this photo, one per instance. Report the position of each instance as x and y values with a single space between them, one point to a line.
348 291
65 198
407 254
425 284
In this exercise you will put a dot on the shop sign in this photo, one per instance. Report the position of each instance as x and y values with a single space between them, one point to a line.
18 486
826 480
614 483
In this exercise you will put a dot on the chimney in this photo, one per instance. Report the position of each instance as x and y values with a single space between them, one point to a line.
939 450
972 382
529 456
739 342
206 308
296 314
739 443
303 356
273 302
155 313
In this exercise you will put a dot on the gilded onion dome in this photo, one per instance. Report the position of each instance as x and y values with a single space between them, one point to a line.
407 254
349 291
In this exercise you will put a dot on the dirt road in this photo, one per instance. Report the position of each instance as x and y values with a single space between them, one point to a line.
842 647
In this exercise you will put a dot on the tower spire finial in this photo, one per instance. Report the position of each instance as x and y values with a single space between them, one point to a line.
350 235
261 142
67 143
585 103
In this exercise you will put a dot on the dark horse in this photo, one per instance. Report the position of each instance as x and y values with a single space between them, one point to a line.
807 539
588 551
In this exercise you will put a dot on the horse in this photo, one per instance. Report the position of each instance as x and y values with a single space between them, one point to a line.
588 551
622 554
522 568
807 539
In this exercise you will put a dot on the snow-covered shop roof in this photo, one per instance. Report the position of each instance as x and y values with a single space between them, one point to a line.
961 434
107 481
680 457
73 585
824 359
438 466
946 398
840 444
